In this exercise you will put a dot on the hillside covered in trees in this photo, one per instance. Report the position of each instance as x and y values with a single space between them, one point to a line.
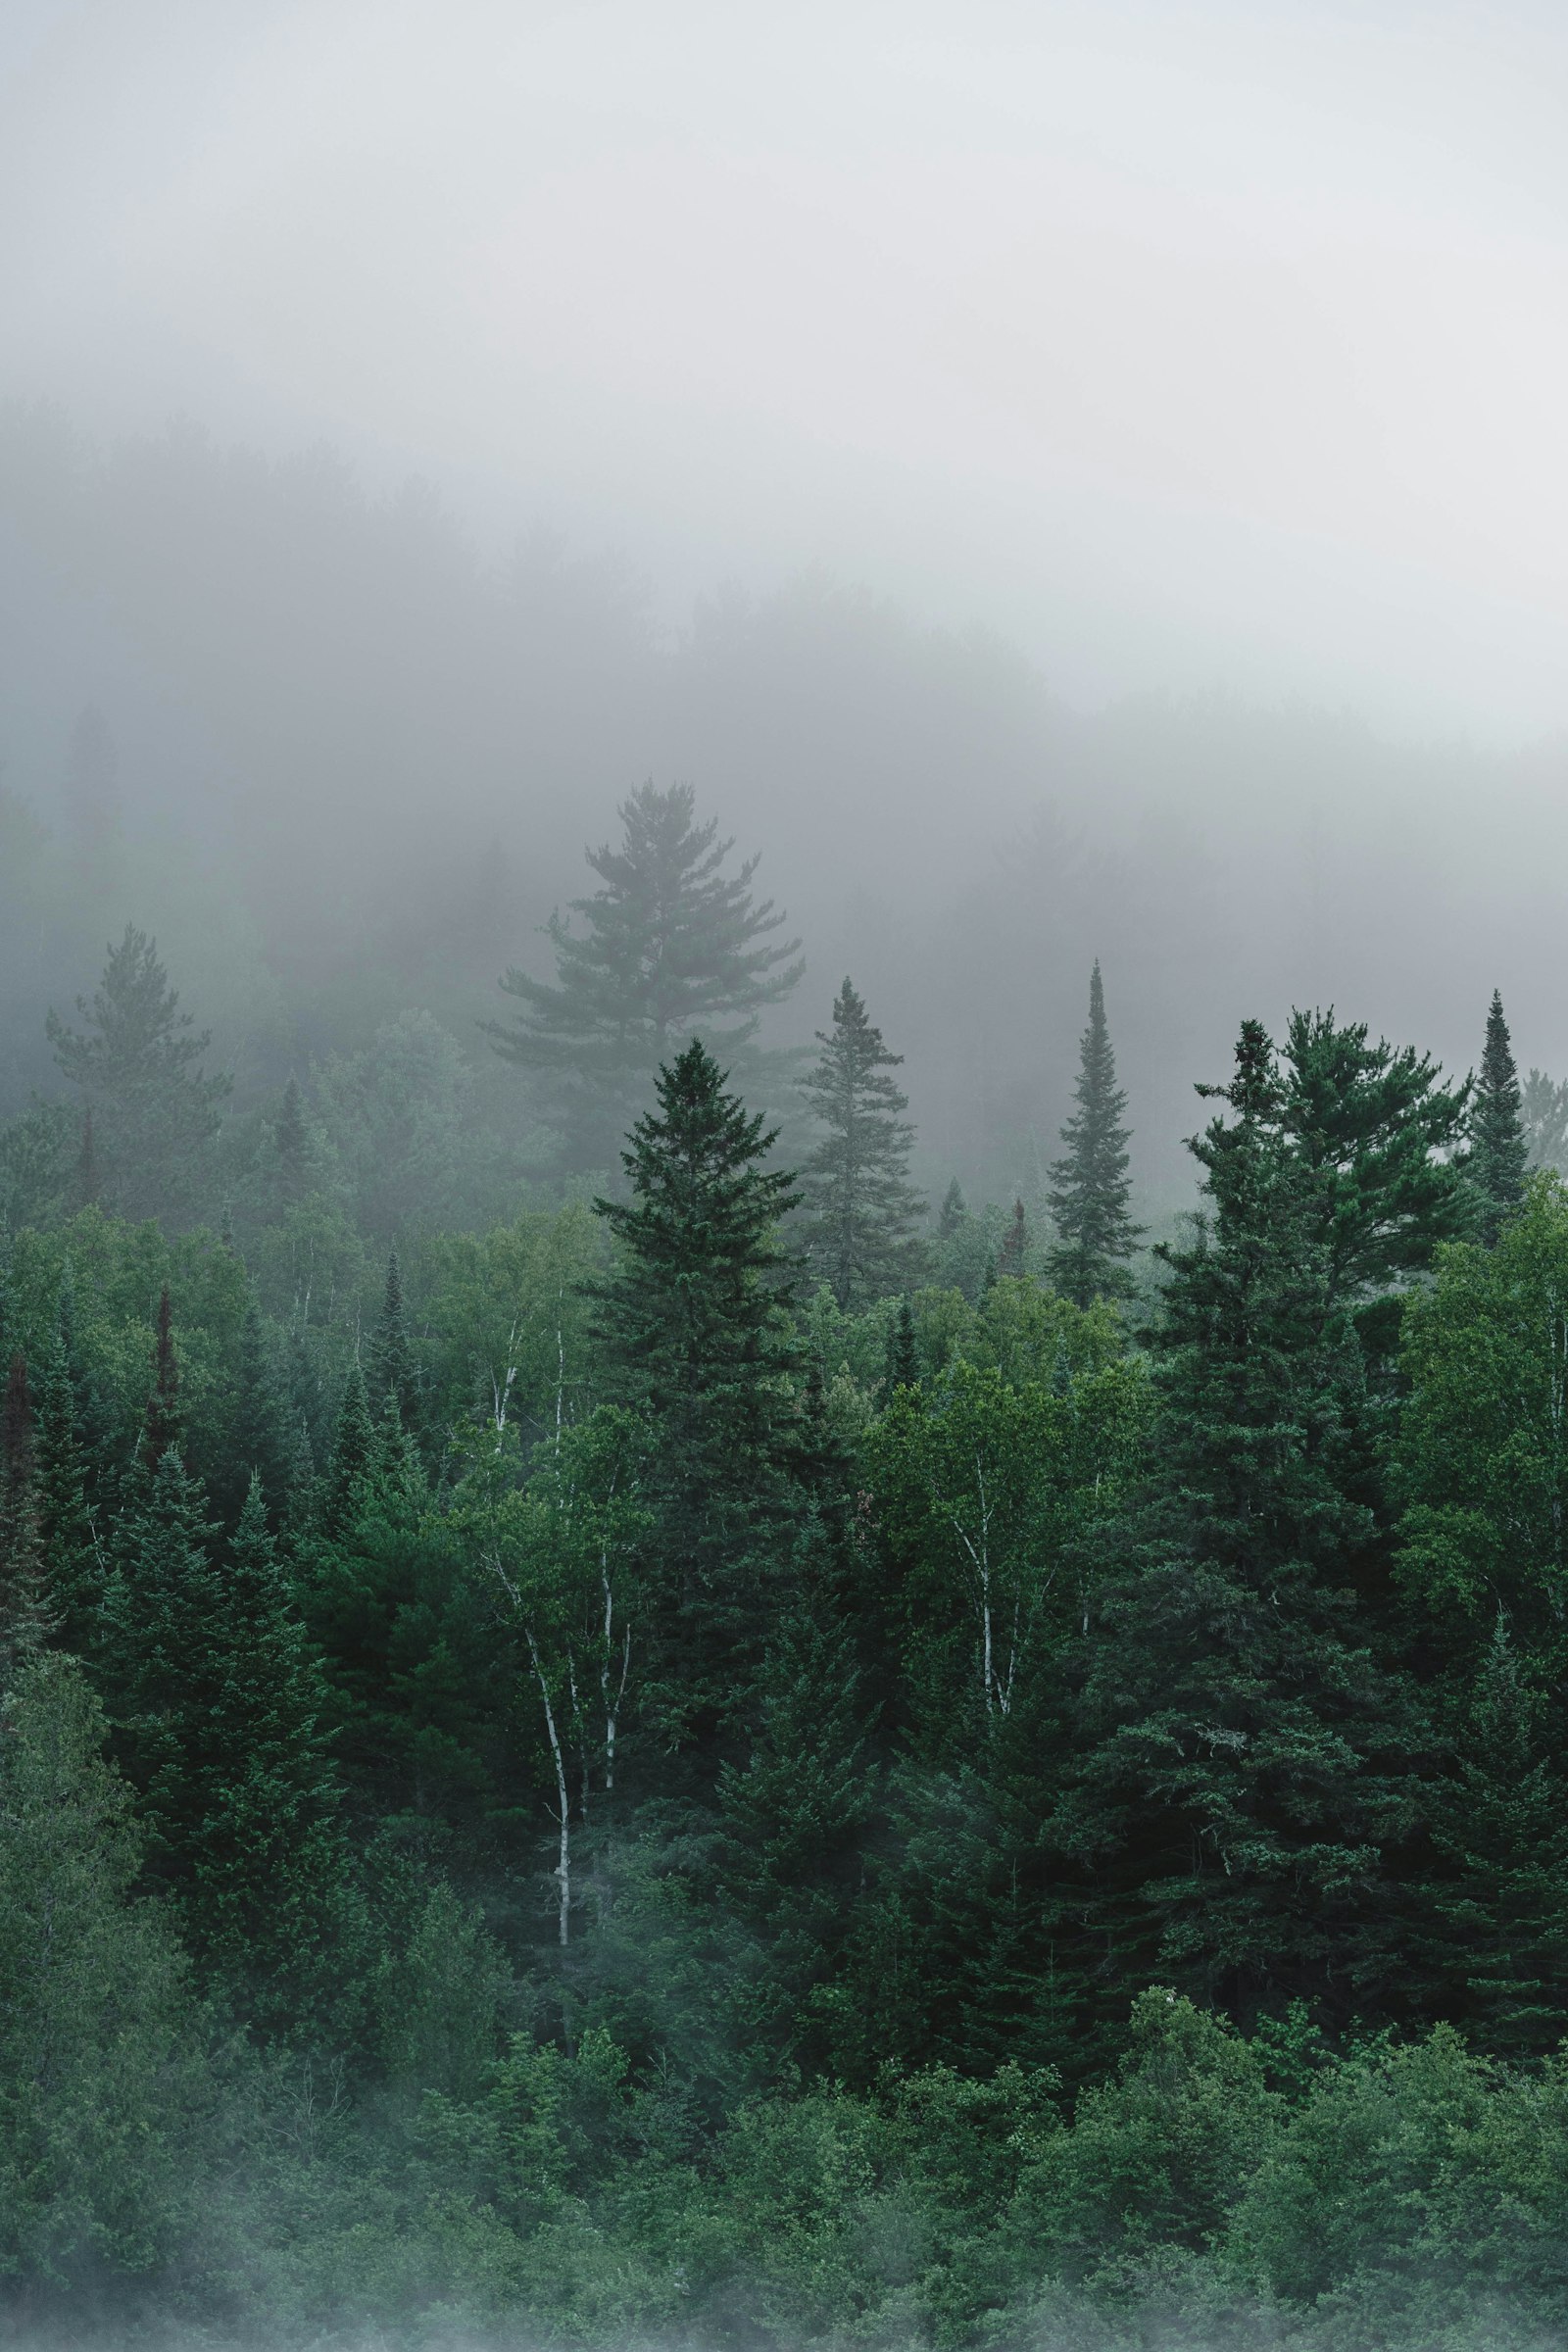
657 1737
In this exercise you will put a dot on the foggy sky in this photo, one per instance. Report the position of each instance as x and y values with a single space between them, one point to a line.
1182 344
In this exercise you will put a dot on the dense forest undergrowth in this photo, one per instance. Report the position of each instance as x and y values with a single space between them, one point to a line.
729 1759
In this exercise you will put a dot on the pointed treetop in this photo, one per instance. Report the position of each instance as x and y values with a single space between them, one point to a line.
161 1426
1089 1186
1498 1149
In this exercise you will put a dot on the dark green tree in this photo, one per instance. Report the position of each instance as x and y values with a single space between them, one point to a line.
695 1340
1497 1901
352 1470
671 944
163 1423
1012 1256
392 1359
1090 1187
1376 1131
903 1362
861 1206
100 2045
221 1711
156 1112
258 1437
1243 1756
66 1529
24 1612
1499 1153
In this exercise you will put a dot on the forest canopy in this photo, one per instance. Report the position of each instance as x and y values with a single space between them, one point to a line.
618 1723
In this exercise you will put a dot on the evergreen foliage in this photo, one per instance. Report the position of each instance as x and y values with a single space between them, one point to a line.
154 1111
670 945
1378 1131
695 1340
1244 1760
1499 1153
396 1373
1090 1187
162 1425
861 1209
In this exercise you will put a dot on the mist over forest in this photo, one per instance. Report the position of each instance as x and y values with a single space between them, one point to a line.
783 1177
343 762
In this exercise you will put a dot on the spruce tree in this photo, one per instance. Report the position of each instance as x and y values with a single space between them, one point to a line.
395 1372
291 1145
903 1362
695 1340
1242 1755
163 1422
156 1111
24 1613
258 1437
1012 1256
1375 1130
1498 1151
66 1530
351 1474
861 1209
671 944
99 2046
1090 1187
220 1706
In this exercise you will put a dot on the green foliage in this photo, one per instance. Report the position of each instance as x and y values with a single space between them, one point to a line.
1089 1188
1377 1133
1242 1760
155 1112
101 2084
859 1204
1483 1452
1500 1151
693 1335
672 945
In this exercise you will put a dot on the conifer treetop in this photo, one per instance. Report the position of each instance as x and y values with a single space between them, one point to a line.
1089 1184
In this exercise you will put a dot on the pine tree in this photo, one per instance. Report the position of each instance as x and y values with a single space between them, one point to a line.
25 1614
860 1204
954 1213
903 1362
291 1145
100 2049
156 1111
1498 1903
695 1340
65 1530
792 1819
1090 1187
221 1711
351 1475
1242 1753
263 1874
1376 1130
395 1372
670 945
86 1186
163 1422
257 1439
1012 1256
1498 1151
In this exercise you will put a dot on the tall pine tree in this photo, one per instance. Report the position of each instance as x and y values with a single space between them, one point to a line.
862 1206
156 1111
1242 1755
671 944
1089 1188
695 1339
1499 1153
